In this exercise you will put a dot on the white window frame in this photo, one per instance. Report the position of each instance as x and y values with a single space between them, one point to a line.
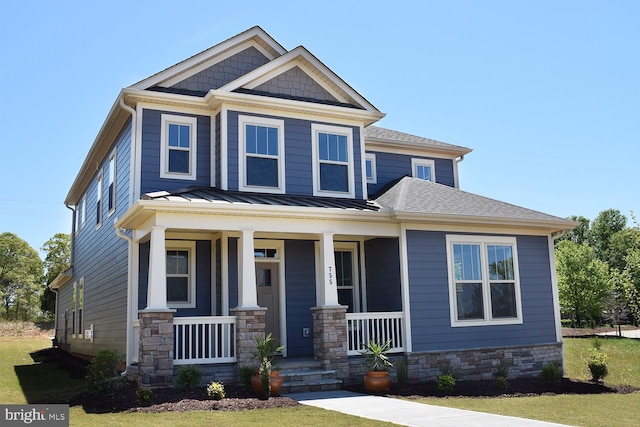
83 216
371 157
423 162
99 206
74 318
483 242
79 316
192 122
243 121
111 184
190 247
317 128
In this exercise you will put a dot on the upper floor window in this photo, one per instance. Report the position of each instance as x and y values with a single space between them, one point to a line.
81 214
99 201
181 280
370 168
178 153
111 191
261 154
423 169
484 284
332 161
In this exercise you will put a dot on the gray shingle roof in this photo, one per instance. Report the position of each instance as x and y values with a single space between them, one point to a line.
377 133
413 195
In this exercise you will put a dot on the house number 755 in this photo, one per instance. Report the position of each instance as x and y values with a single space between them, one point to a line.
330 276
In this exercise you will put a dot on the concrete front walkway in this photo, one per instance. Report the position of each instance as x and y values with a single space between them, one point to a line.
408 413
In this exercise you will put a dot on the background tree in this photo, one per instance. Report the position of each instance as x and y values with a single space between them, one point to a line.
578 235
20 278
603 228
56 261
583 281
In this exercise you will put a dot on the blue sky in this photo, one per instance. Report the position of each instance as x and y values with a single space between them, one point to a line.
546 93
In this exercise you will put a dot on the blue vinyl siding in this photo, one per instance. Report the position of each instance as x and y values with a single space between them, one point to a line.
217 151
298 155
300 278
390 167
218 287
203 280
384 291
429 294
233 272
151 145
100 257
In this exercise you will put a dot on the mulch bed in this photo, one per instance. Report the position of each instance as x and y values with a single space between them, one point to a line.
241 398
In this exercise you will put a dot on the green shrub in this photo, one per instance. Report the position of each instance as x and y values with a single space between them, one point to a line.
502 370
215 390
551 374
244 375
446 382
501 383
597 363
189 377
103 376
144 394
597 344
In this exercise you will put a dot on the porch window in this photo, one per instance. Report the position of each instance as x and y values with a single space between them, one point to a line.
484 280
261 162
347 278
181 274
333 161
178 153
423 169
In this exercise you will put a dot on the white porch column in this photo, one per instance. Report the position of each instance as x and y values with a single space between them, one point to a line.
328 291
157 286
247 292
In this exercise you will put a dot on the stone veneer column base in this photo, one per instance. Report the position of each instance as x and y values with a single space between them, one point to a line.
481 363
330 339
155 358
250 325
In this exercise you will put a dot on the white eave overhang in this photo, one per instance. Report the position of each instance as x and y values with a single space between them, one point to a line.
413 148
61 279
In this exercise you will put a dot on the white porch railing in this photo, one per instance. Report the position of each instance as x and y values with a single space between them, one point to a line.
206 339
379 327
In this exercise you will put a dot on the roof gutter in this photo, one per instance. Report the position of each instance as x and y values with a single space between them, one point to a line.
456 179
132 149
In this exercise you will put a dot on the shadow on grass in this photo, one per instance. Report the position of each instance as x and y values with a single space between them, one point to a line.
54 377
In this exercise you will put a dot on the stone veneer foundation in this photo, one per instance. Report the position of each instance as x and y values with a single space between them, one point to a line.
155 357
477 364
330 339
250 325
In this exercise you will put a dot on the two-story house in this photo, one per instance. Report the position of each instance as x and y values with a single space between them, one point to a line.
246 190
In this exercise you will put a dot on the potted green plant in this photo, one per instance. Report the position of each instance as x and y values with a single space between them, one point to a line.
266 381
377 378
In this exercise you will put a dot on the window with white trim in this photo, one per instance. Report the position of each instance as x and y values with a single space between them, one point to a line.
346 262
261 154
99 201
370 168
484 284
111 189
81 214
178 153
81 308
332 148
74 309
423 169
181 269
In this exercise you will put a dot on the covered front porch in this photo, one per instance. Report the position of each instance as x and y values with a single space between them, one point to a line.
206 284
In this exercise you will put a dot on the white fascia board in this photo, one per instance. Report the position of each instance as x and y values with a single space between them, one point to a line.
470 223
325 110
209 56
410 148
108 132
176 100
61 279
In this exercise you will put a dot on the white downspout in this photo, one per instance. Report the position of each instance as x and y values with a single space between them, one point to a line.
555 291
129 240
456 180
132 163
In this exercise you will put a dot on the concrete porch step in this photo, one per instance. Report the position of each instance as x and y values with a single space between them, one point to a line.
315 385
304 374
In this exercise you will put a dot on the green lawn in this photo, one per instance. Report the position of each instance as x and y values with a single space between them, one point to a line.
612 410
25 380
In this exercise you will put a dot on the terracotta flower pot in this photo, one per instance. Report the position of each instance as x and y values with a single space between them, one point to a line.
377 381
275 380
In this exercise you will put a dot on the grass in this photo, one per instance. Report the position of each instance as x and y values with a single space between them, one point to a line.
612 410
24 380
